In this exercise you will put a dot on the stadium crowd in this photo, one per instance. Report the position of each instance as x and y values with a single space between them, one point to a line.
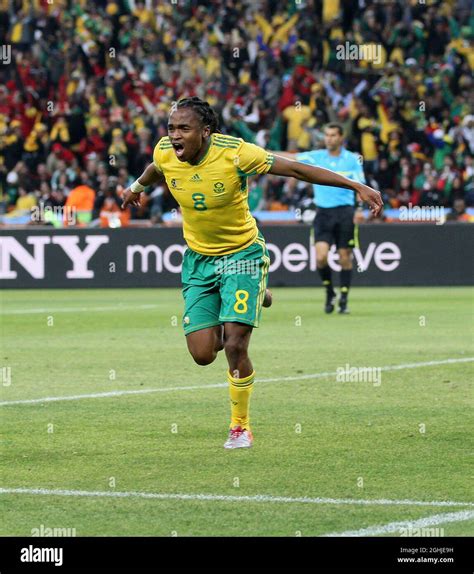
85 89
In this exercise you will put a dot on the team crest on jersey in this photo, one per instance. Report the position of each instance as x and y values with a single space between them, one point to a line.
219 187
175 184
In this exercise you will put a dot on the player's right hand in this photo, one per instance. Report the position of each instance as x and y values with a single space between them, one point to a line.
130 198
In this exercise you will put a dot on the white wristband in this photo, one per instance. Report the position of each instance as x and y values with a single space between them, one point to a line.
137 187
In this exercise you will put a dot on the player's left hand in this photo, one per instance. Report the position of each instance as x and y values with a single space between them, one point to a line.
370 196
130 198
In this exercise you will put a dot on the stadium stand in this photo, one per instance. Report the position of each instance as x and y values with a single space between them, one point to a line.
85 89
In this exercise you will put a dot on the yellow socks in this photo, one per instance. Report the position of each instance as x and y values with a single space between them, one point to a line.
240 391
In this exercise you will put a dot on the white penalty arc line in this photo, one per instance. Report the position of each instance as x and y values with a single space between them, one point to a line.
223 385
232 498
398 527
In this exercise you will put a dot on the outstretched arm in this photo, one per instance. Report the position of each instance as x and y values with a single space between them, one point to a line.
131 195
287 154
322 176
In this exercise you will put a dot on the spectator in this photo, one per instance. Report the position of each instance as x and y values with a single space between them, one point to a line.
430 194
113 68
458 213
110 213
404 193
296 115
369 129
80 203
25 202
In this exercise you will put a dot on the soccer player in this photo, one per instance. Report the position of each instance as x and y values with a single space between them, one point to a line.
225 267
334 221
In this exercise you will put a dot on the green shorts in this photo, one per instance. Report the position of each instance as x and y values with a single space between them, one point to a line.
226 288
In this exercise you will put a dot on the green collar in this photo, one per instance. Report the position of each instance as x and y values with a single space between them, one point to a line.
205 154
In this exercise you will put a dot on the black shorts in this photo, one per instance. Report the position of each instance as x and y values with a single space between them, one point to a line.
335 225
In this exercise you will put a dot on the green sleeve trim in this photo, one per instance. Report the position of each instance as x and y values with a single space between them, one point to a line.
270 160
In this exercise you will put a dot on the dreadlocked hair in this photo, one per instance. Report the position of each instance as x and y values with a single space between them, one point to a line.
206 114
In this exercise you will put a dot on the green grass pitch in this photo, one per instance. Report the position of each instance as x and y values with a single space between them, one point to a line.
409 438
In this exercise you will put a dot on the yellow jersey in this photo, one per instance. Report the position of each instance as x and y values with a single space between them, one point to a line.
213 194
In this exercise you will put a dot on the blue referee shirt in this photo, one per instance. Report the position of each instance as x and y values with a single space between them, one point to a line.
346 163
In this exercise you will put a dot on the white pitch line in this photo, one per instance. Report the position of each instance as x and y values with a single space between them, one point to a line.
392 527
387 368
231 498
74 309
222 385
111 394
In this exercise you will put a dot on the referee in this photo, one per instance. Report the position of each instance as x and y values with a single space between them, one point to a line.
334 221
